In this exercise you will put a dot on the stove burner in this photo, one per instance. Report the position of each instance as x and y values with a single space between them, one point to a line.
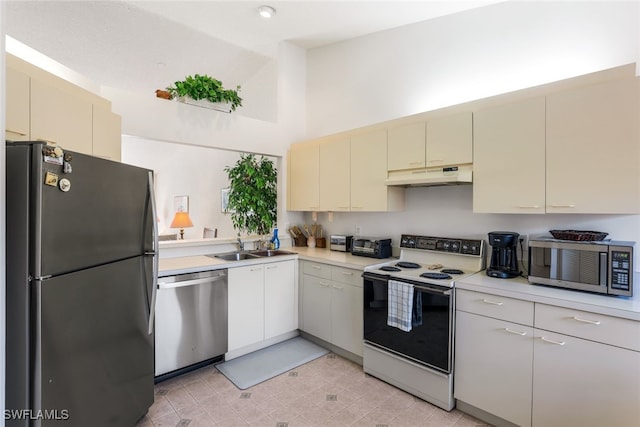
389 268
452 271
406 264
437 276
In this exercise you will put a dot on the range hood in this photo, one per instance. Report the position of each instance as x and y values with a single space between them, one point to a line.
448 175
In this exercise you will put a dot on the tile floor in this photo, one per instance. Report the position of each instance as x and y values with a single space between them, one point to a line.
329 391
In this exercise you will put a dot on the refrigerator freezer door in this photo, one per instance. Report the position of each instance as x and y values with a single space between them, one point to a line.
104 216
94 356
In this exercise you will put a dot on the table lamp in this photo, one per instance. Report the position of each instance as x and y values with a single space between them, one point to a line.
181 220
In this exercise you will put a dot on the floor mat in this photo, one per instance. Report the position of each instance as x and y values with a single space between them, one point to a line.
254 368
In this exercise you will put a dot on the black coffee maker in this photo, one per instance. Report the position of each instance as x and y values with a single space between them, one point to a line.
504 258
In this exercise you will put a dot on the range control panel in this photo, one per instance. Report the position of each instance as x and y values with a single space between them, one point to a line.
471 247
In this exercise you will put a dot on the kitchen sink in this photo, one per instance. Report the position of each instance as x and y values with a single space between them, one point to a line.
234 256
271 252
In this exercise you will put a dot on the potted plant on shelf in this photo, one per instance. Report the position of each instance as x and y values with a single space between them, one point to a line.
206 91
253 195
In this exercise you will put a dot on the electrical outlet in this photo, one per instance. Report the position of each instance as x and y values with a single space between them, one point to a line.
358 230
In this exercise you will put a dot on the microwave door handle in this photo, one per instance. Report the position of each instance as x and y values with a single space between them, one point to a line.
603 269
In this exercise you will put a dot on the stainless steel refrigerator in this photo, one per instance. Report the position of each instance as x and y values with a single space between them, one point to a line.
81 267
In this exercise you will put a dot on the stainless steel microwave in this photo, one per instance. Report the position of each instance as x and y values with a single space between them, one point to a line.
604 267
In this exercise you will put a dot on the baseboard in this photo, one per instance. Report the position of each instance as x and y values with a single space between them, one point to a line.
333 348
483 415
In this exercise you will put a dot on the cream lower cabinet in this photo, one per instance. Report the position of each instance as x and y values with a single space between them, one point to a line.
332 305
593 149
541 376
494 355
17 103
261 302
509 158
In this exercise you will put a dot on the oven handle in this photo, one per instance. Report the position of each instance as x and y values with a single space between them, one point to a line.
421 286
432 290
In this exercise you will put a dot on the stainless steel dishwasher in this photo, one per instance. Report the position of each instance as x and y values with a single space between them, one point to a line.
191 321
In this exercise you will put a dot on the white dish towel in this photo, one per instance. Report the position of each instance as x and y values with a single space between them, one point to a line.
400 307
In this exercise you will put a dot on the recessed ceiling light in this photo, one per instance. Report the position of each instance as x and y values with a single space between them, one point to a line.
266 11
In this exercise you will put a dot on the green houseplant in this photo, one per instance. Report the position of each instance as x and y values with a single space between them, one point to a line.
253 195
199 87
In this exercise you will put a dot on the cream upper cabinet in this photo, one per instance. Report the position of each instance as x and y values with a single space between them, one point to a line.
509 158
304 176
17 102
406 147
107 134
369 172
593 149
335 191
61 118
450 140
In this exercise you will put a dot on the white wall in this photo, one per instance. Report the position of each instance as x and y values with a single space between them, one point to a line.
447 212
466 56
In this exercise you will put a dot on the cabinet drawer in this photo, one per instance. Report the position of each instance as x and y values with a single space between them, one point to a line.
346 275
591 326
317 269
498 307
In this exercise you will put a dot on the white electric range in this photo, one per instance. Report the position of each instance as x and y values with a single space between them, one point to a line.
409 309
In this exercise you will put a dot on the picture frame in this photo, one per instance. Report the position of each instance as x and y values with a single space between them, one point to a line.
224 200
181 204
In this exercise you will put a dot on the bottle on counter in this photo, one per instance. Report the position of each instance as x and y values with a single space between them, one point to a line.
275 240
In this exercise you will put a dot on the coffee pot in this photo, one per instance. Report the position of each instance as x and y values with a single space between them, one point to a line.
504 258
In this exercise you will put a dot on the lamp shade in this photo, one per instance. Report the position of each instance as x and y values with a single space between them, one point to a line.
181 220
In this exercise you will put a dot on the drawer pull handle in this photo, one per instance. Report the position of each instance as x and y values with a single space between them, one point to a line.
488 301
552 341
563 206
338 287
529 206
316 267
326 285
591 322
511 331
347 273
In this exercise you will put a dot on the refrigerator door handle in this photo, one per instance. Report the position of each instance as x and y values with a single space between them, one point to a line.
154 292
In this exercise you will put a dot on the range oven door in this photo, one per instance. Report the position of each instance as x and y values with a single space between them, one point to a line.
430 341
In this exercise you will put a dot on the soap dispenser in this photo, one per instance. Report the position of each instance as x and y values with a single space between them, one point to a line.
275 240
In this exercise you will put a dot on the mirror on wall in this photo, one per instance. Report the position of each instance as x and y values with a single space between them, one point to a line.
186 170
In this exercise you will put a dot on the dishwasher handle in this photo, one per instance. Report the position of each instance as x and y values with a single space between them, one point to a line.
175 281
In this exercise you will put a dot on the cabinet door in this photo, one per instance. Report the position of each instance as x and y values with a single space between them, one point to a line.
346 317
334 175
493 366
593 149
279 298
17 103
107 134
583 383
450 140
406 147
61 118
369 172
304 177
316 306
509 158
246 306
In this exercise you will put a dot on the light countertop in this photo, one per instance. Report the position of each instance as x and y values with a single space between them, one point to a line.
195 263
520 288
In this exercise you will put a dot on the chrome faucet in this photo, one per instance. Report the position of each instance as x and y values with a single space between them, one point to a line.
240 244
